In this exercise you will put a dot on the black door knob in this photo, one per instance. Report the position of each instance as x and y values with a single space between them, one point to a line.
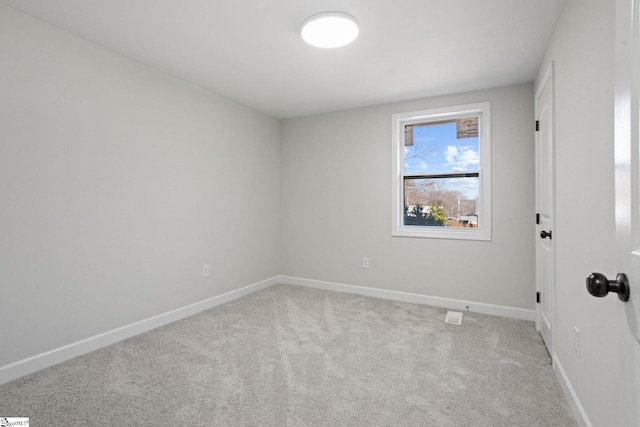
599 286
544 234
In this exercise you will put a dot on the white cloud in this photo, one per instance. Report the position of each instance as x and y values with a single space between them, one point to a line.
451 153
469 157
423 165
461 157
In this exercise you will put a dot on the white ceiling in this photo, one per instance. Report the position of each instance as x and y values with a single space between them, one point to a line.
250 50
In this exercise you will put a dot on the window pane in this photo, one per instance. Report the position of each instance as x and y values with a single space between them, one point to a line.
443 202
445 146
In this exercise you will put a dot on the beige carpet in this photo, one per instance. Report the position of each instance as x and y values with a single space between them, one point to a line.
292 356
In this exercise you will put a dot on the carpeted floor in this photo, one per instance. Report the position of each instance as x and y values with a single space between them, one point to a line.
293 356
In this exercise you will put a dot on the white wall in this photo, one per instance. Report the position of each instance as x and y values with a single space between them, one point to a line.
336 206
584 235
117 182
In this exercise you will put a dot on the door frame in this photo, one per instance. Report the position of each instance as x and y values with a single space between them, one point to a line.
548 78
627 201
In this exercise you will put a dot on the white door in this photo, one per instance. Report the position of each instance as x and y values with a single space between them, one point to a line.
627 167
544 209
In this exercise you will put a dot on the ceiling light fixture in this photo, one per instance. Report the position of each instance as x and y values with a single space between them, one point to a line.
330 30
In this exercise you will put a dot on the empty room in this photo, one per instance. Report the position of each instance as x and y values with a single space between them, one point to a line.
320 213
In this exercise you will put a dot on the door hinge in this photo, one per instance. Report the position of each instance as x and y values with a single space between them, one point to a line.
538 297
537 125
537 218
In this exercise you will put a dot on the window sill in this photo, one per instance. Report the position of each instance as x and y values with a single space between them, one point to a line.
442 233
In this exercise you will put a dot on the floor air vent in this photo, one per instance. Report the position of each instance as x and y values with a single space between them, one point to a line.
454 317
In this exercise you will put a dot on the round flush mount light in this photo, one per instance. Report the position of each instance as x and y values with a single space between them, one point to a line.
330 30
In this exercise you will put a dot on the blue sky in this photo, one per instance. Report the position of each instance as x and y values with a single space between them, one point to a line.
436 149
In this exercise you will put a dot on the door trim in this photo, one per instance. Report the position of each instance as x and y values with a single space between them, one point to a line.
549 77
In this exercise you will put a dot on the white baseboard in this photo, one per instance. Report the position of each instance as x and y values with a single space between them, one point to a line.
461 305
35 363
572 398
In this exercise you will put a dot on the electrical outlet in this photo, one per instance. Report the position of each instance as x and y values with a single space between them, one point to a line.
365 262
576 340
205 270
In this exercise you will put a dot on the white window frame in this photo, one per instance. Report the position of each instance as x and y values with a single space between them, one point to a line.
398 121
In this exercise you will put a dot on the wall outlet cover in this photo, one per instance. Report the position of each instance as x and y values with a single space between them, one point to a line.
365 262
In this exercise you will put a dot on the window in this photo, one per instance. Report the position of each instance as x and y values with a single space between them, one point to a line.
442 173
